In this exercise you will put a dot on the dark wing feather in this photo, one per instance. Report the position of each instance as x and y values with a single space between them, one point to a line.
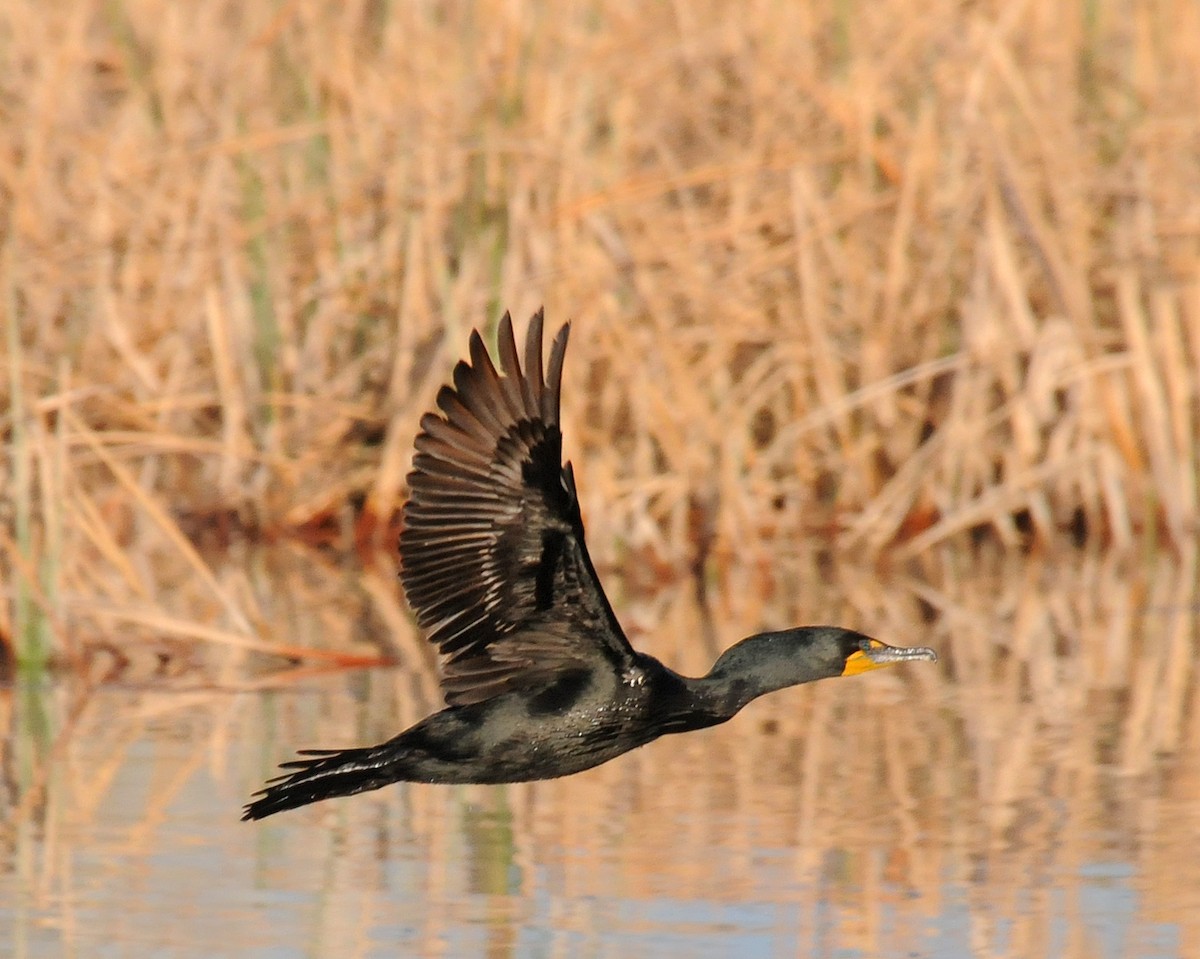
492 554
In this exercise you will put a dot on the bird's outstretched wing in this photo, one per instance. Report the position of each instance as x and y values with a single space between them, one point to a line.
492 554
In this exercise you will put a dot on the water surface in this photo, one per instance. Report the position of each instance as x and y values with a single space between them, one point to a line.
1037 793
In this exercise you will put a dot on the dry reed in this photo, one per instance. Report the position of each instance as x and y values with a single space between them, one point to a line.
878 274
916 283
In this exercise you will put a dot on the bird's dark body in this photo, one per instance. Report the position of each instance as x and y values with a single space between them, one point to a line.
539 679
578 721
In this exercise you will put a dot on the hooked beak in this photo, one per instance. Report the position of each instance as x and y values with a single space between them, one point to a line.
875 655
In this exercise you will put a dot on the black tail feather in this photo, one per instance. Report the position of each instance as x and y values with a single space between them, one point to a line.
328 773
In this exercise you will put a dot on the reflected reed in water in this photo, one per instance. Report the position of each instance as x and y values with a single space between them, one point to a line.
1034 795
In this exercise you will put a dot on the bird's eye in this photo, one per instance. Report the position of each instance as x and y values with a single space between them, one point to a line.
864 645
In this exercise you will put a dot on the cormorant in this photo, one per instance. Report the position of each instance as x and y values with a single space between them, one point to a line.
538 676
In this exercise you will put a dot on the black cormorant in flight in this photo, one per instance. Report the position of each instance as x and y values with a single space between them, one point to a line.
538 676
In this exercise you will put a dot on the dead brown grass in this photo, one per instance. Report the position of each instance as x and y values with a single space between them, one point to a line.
884 274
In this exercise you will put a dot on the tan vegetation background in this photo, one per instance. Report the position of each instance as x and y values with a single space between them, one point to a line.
879 276
886 314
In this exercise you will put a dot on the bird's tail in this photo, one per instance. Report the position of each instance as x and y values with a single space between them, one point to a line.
325 774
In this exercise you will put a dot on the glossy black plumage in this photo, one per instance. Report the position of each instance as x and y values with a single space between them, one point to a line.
538 676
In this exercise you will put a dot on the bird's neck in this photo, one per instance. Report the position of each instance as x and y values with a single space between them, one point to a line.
682 703
716 698
723 697
758 665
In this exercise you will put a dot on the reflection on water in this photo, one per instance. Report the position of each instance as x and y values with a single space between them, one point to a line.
1035 794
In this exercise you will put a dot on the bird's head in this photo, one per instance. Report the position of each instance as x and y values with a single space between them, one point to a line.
769 661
